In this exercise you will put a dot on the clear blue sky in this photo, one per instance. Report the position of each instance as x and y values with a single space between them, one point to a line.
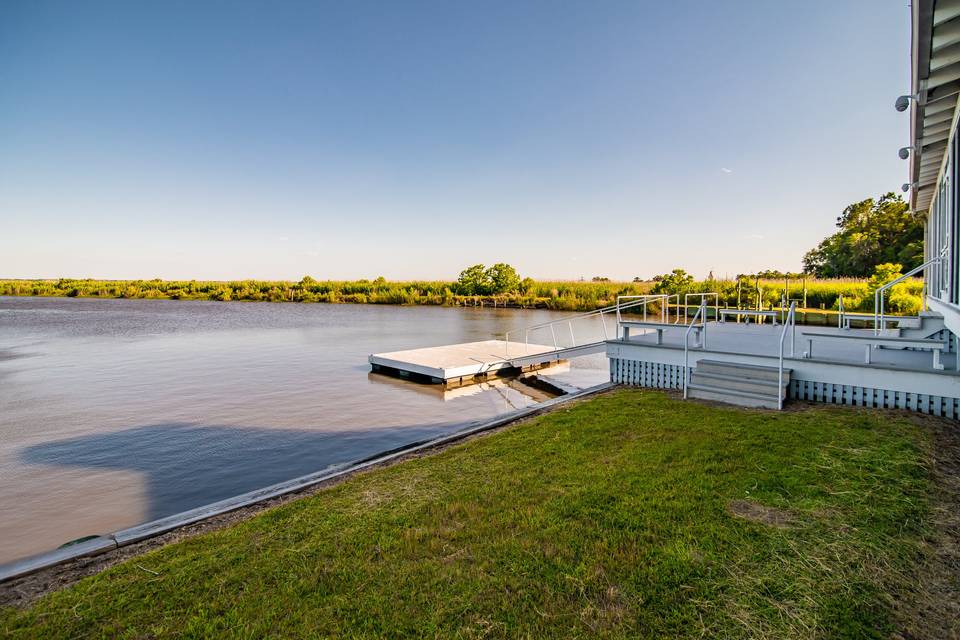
410 139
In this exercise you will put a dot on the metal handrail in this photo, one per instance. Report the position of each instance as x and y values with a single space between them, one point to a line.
791 321
666 308
570 320
643 300
703 296
686 343
878 319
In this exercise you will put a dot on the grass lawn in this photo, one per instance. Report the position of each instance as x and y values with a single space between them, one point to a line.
631 514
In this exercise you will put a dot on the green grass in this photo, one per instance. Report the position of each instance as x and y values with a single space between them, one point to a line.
607 518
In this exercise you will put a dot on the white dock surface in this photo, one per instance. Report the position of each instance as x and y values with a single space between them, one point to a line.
459 360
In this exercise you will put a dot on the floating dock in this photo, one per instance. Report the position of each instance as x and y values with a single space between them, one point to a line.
461 364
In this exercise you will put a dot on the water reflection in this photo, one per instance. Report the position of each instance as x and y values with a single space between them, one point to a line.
113 412
185 466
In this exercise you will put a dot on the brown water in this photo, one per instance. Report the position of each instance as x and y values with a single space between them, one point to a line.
117 412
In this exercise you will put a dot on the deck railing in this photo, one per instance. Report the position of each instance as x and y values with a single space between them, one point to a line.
789 323
703 297
701 311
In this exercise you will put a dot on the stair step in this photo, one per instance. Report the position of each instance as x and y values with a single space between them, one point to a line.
910 323
927 327
736 370
740 398
750 385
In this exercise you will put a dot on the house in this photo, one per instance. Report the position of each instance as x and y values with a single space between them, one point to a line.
934 148
895 362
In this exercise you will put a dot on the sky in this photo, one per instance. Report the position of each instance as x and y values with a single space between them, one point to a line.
227 140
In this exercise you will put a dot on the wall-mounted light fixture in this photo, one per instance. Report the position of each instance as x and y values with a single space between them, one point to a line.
904 152
903 102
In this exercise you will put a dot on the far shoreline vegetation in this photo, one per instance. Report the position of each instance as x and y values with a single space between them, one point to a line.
877 241
743 292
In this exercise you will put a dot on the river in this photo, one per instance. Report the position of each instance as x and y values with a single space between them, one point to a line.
117 412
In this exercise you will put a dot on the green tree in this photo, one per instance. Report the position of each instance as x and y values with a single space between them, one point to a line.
503 278
677 281
899 297
872 232
473 281
882 274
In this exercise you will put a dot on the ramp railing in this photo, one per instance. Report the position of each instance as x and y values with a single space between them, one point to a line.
644 300
635 304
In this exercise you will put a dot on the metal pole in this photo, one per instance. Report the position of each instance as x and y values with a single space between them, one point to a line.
881 322
703 321
793 329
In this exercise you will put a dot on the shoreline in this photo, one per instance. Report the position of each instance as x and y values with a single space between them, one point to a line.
24 580
805 316
820 296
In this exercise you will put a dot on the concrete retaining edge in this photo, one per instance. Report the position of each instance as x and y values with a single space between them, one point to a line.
110 542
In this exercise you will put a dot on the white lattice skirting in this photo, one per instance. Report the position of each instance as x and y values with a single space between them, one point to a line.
657 375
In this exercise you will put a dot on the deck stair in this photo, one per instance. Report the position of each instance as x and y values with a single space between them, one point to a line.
745 385
926 325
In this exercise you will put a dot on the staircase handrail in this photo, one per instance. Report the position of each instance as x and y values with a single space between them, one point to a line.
791 321
878 319
686 342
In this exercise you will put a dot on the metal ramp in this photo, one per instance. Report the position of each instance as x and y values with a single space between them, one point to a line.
564 353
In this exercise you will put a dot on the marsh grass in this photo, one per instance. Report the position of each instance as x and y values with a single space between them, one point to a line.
558 295
621 516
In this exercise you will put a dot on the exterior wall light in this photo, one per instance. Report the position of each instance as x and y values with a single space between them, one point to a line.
904 153
907 186
903 102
